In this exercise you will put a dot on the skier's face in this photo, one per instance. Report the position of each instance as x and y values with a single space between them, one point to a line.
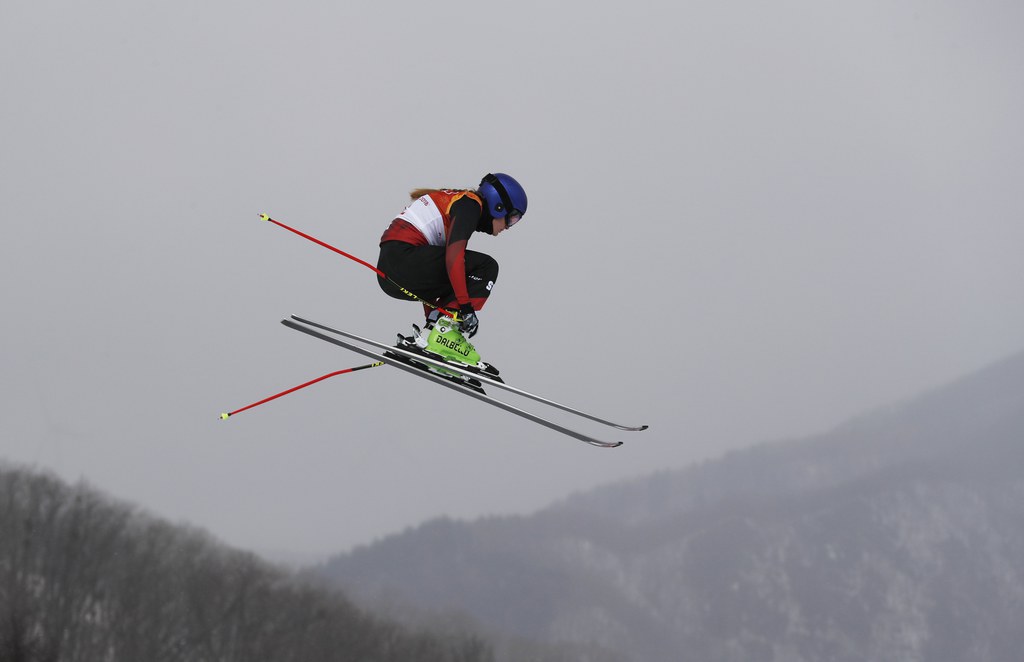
505 222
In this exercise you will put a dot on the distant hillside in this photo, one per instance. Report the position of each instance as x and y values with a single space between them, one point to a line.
85 579
899 536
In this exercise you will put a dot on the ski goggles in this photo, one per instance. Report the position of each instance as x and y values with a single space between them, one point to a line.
513 217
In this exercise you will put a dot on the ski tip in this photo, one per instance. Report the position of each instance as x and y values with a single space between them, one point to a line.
225 416
643 427
264 217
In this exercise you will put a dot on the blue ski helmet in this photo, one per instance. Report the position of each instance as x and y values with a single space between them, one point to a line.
503 195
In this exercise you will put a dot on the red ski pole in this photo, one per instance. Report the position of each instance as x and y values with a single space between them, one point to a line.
356 259
228 414
324 244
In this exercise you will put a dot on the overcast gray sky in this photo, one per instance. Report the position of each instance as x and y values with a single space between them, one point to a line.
748 221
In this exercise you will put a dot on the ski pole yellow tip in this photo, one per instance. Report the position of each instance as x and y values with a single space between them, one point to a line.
224 416
264 217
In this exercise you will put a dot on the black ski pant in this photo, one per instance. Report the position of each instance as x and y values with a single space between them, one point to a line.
422 271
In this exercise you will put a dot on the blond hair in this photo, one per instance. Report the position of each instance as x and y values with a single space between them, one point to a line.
418 193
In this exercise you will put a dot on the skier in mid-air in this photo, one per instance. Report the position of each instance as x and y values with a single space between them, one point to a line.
424 249
423 258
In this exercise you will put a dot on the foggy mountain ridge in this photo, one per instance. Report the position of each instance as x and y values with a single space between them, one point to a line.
899 535
917 430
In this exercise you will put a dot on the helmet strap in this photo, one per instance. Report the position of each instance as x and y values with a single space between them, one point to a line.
506 201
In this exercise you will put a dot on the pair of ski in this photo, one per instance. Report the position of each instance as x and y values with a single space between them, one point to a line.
349 341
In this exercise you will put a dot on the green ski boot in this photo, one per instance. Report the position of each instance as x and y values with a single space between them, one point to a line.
443 339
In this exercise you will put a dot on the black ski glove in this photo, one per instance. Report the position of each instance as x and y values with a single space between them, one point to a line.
468 321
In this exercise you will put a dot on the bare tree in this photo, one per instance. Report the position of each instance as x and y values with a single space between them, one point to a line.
86 579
